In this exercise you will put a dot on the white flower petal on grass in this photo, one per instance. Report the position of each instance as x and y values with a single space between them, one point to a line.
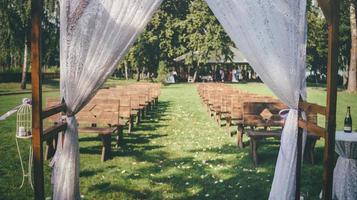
206 195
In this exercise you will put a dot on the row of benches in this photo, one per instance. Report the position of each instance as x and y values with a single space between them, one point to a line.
256 116
109 112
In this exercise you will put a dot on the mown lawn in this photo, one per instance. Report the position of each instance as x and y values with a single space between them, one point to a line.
177 153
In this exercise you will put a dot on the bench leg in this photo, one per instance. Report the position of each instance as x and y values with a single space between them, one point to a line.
143 113
120 137
131 124
138 117
240 136
228 126
51 145
106 147
147 109
253 145
309 149
218 118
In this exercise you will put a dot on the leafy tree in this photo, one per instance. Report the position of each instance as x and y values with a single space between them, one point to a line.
178 27
15 31
317 47
316 42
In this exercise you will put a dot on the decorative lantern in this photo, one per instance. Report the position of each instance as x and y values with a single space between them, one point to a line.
23 131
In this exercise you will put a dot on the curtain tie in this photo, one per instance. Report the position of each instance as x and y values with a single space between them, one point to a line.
285 112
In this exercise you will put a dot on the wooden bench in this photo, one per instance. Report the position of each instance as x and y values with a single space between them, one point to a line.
100 118
235 114
265 122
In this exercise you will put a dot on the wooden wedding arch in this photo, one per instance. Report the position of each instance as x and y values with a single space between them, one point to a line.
330 9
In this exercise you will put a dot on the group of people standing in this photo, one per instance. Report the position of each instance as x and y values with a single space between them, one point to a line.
229 75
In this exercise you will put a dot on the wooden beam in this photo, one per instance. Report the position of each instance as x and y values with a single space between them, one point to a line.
332 70
53 110
312 108
54 130
312 128
36 14
325 6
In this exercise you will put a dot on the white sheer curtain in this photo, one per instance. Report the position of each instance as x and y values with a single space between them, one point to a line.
94 36
272 36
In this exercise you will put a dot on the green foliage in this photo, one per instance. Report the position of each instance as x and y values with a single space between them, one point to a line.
178 27
204 33
15 30
317 45
316 42
344 35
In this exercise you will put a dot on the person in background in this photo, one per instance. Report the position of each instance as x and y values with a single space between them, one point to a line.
221 72
239 74
174 73
217 75
229 75
234 75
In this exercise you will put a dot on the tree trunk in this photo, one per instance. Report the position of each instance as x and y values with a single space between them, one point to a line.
188 73
138 77
126 70
194 76
24 68
11 61
352 74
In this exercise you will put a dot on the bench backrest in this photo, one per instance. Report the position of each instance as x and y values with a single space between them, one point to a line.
100 112
52 101
263 113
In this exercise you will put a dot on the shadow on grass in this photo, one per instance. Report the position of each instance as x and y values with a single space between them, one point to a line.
132 193
186 177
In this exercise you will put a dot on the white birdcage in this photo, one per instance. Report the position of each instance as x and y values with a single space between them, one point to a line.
24 119
24 131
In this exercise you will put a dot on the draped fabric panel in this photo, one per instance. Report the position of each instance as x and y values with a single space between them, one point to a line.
94 36
272 36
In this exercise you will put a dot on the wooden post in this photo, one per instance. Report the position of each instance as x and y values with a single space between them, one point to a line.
332 69
298 154
298 162
36 14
